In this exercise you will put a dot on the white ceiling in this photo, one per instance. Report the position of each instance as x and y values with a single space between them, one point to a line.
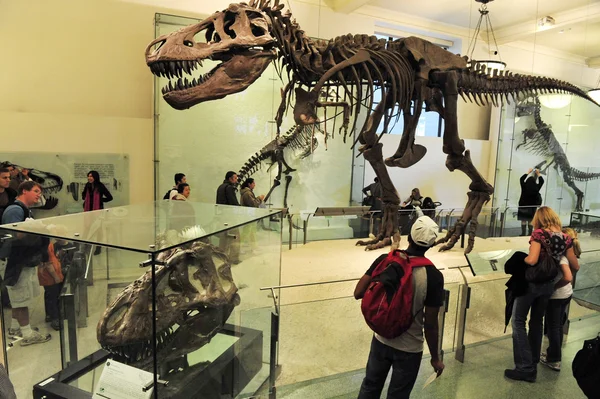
516 20
512 20
465 13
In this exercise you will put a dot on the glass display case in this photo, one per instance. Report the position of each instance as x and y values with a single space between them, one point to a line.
558 139
169 288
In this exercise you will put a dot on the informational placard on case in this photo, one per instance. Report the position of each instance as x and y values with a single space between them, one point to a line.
119 381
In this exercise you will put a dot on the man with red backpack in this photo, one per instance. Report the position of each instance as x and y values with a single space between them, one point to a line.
402 293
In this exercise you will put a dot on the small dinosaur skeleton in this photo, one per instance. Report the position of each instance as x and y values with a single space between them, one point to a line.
540 140
409 72
299 138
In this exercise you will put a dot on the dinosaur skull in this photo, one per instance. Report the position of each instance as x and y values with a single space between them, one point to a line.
195 294
51 184
238 37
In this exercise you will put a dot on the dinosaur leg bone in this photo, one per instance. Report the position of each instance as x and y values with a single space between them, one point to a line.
281 162
288 180
566 172
275 184
408 152
390 199
460 159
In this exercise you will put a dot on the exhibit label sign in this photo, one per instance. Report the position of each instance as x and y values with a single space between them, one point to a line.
120 381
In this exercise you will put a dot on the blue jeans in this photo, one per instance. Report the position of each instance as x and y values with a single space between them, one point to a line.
555 316
405 368
527 346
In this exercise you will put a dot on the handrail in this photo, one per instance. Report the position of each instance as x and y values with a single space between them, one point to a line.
276 287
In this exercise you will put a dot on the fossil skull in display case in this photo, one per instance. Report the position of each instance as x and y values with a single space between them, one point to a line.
195 295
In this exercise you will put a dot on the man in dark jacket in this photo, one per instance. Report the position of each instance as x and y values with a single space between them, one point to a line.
226 191
229 241
7 194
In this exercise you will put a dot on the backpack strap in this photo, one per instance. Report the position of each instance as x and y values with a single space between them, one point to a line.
26 211
419 261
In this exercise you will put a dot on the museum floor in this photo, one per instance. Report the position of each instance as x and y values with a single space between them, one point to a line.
324 341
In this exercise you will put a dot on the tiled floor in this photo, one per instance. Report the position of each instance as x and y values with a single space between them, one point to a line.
480 376
322 334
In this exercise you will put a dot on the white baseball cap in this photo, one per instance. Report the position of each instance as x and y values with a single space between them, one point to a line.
424 231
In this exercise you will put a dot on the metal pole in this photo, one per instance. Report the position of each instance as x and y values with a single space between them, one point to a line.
464 293
154 333
273 354
69 301
502 222
305 224
441 323
107 265
291 228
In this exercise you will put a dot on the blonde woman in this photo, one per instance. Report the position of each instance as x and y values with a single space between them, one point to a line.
527 345
557 306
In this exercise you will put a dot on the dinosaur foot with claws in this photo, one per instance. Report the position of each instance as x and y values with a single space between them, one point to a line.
387 230
476 201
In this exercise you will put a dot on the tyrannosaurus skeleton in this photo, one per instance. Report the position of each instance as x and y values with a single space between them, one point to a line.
408 72
540 140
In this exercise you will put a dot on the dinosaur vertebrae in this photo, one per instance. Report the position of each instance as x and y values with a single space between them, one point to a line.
296 138
476 84
307 60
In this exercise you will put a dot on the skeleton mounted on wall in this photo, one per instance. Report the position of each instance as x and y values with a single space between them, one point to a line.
540 140
408 72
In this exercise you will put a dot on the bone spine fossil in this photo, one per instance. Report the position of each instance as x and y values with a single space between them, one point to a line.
407 72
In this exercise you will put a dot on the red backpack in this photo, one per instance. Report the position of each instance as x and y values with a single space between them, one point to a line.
387 303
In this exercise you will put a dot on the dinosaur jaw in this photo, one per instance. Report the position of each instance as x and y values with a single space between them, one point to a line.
234 74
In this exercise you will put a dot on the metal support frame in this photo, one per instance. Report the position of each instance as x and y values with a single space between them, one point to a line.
464 303
70 332
305 228
84 274
464 297
502 222
442 322
290 229
273 353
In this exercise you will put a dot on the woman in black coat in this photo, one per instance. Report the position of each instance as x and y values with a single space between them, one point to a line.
95 193
530 199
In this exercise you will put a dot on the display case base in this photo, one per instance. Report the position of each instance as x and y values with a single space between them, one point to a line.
224 377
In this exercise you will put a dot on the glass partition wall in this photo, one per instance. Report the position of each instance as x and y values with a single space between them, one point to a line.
170 288
211 138
561 142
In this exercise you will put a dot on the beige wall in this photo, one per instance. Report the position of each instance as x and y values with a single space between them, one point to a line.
73 75
73 79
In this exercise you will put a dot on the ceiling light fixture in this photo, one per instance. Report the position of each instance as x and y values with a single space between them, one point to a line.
490 62
546 23
555 101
